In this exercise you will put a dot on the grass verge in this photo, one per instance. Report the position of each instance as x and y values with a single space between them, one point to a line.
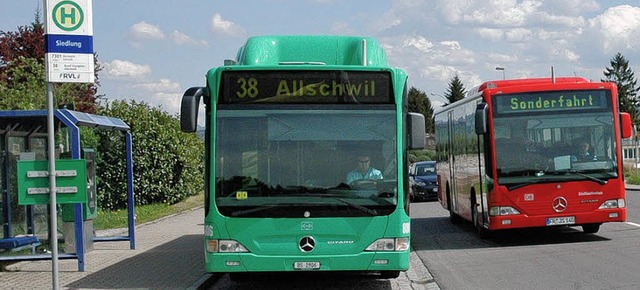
144 213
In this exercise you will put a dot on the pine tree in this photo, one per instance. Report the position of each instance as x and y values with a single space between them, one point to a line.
623 76
420 103
455 91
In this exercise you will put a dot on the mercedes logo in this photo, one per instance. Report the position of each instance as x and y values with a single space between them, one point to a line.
307 244
559 204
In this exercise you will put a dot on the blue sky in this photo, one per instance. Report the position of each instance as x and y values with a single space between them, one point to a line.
153 51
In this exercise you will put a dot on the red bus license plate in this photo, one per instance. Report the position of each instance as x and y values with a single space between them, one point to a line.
566 220
306 265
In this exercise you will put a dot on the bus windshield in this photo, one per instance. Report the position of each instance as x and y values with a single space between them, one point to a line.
294 160
537 140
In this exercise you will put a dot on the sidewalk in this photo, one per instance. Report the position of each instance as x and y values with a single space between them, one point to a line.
168 255
632 186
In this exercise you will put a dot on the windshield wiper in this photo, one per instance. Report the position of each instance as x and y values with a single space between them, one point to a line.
516 186
351 204
257 209
541 174
520 172
592 178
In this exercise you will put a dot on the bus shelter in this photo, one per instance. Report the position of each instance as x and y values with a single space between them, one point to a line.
23 136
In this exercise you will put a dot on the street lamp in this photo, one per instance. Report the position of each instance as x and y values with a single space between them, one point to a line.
446 101
502 69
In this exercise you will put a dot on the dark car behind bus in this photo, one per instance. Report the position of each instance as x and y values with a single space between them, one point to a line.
423 181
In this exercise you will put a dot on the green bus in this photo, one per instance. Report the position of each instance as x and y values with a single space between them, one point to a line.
287 124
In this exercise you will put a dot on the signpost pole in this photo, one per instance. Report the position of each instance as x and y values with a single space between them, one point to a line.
68 59
53 239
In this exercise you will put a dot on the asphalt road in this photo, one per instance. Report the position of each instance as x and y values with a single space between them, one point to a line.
553 258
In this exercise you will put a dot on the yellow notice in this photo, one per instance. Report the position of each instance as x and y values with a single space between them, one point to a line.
240 195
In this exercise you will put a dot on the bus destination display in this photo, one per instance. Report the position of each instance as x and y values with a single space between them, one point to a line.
306 87
551 101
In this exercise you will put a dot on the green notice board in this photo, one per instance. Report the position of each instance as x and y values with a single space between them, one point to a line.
33 181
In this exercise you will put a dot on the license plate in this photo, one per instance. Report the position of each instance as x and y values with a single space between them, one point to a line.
566 220
306 265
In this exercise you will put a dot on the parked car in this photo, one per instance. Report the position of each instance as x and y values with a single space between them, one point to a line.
423 181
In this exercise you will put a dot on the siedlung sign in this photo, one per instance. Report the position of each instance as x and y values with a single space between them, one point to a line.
69 41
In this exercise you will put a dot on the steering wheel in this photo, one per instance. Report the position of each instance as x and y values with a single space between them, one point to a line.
364 183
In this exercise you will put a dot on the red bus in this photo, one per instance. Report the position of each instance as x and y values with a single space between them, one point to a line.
533 153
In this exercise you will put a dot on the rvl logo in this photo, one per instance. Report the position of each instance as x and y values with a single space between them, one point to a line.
69 76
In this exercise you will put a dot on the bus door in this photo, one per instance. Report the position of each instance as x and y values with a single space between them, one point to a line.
452 163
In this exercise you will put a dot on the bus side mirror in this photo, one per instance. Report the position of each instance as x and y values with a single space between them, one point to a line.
416 127
625 125
189 109
481 118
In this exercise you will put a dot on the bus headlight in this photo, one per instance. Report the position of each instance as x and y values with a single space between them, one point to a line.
225 246
502 210
613 203
388 245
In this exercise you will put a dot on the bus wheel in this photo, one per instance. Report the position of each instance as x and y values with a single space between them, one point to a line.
591 228
482 232
453 217
389 274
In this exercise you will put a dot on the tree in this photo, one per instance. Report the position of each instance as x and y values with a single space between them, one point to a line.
456 90
419 103
623 76
22 73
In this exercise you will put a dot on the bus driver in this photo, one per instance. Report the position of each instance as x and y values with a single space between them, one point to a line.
363 170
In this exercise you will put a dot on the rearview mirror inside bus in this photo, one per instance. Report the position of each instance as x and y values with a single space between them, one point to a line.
481 118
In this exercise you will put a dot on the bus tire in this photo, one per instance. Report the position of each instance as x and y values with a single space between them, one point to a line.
591 228
453 217
389 274
482 232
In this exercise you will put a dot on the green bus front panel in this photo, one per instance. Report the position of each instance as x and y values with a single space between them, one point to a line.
340 243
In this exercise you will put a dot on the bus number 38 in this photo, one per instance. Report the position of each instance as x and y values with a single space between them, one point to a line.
248 88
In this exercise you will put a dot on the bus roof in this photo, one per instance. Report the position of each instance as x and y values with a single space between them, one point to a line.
310 50
525 82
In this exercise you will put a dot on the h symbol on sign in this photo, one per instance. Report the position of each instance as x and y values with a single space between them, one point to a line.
64 15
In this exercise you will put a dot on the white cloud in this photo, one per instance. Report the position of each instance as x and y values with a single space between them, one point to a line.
221 26
570 7
342 27
181 38
419 43
502 13
145 31
169 102
122 69
618 28
519 35
502 58
161 86
453 45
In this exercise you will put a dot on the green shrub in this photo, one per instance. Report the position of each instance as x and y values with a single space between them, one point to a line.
167 163
421 155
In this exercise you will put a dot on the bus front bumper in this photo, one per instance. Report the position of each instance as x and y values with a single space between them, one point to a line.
569 219
366 261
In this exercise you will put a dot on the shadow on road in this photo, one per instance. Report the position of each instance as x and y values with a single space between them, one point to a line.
438 233
306 281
